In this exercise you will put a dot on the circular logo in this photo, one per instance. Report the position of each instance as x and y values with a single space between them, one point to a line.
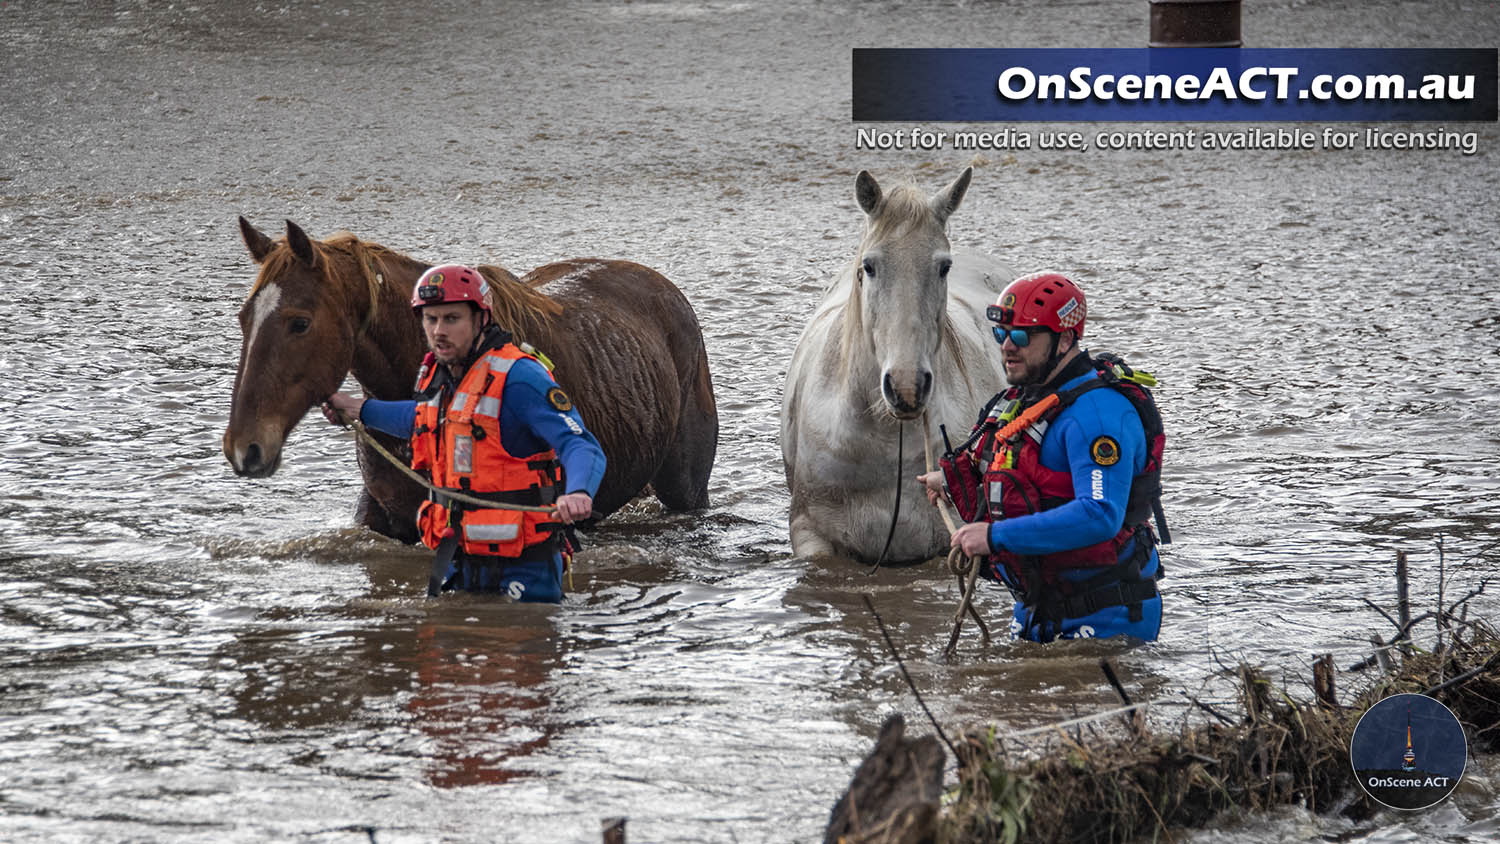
1105 451
1408 752
1008 301
559 399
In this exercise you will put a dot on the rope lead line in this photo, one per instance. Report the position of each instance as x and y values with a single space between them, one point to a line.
362 434
966 568
900 459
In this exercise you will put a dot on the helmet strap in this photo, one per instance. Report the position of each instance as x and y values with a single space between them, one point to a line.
1054 358
1054 339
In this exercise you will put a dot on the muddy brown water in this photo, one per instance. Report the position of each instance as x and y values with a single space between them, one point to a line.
185 655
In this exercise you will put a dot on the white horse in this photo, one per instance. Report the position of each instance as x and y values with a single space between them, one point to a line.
900 332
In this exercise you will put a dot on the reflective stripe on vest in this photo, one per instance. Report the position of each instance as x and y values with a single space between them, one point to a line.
492 533
489 405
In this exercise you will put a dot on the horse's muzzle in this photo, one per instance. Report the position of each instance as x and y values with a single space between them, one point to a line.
254 463
908 399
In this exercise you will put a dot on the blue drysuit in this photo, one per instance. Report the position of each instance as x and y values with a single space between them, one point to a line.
1096 513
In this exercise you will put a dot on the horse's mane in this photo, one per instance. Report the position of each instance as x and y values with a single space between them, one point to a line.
513 304
899 211
349 277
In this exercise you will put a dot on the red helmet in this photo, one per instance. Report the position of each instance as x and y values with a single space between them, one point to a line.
1046 299
449 283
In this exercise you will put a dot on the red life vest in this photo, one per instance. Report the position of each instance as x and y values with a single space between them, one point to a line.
1015 483
457 438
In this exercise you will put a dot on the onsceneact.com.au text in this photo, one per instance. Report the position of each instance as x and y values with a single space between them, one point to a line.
1252 83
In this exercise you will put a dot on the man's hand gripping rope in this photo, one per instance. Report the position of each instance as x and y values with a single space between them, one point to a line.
964 566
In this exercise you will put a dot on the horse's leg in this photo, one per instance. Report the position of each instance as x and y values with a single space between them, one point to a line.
388 501
807 542
368 513
681 482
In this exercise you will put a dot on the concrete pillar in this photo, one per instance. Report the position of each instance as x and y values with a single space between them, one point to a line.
1195 23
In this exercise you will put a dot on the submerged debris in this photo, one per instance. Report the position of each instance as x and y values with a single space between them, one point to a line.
1270 748
1275 750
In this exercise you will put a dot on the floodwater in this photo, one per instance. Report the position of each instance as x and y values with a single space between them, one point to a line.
187 655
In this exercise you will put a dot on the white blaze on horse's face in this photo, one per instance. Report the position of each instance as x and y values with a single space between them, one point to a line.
247 454
264 305
902 285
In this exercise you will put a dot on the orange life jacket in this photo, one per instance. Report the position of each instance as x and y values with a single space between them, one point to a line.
457 438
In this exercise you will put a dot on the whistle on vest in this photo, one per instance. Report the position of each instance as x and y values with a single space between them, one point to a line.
1026 419
1113 368
537 353
1005 458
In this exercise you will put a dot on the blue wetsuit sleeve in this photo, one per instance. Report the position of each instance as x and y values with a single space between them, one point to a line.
530 422
396 418
1100 493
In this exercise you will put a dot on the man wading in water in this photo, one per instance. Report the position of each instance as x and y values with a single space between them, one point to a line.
1061 476
487 421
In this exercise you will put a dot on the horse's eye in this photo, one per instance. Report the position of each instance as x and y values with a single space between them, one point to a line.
300 325
869 269
943 269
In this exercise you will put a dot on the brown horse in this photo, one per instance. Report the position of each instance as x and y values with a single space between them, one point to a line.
625 342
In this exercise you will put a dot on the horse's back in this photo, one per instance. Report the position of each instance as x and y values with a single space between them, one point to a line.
627 310
606 281
978 277
629 345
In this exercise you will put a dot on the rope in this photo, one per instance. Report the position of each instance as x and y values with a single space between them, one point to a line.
963 566
362 434
896 513
901 664
1084 719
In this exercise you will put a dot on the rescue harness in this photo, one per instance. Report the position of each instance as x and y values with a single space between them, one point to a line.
1007 444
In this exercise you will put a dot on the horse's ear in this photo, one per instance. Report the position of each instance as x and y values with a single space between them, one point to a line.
949 198
259 245
301 245
867 191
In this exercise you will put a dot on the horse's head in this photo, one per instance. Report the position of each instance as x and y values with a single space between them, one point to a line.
901 281
298 331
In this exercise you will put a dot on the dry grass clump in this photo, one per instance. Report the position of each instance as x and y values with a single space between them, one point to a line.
1276 750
